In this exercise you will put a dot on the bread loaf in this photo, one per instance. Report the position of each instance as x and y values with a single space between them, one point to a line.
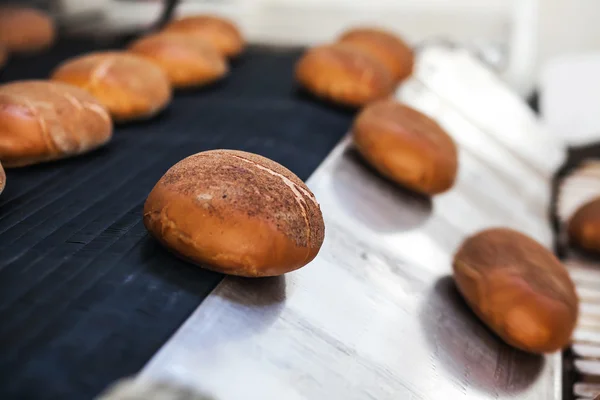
129 86
237 213
584 226
406 146
342 74
218 31
518 288
187 62
25 30
42 121
2 179
385 47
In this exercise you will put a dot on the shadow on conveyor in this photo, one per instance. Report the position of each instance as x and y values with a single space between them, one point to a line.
468 350
303 95
374 200
167 267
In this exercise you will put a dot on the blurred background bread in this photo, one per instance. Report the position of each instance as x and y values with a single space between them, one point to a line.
584 227
129 86
188 62
43 120
406 146
237 213
220 32
342 74
25 30
385 47
518 288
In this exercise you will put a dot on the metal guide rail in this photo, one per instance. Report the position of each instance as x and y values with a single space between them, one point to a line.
376 315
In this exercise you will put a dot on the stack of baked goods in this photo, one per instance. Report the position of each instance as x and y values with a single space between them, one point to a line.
363 65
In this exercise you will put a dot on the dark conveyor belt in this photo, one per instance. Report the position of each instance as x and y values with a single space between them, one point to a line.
86 296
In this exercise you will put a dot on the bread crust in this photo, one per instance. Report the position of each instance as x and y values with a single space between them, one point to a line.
584 226
129 86
385 47
236 213
406 146
43 120
518 288
220 32
25 30
342 74
186 61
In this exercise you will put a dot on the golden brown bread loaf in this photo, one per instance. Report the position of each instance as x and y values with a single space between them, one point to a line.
218 31
237 213
188 62
385 47
518 288
406 146
129 86
43 120
584 226
25 30
2 179
342 74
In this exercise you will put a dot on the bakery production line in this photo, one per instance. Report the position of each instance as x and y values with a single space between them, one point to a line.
88 298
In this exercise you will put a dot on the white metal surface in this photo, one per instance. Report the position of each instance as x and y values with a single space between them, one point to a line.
375 315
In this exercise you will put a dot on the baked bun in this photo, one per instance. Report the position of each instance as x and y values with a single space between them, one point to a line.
406 146
518 288
383 46
42 121
584 227
236 213
219 32
2 179
188 62
342 74
130 86
25 30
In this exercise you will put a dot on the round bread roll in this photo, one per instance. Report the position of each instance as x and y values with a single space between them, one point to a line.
42 121
584 226
406 146
186 61
342 74
130 86
219 32
518 288
25 30
236 213
385 47
2 179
